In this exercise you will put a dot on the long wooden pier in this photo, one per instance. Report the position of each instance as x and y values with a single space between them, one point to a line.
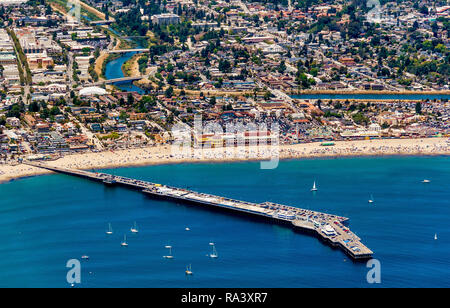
328 227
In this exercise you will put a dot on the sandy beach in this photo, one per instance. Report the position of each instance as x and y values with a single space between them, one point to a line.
170 154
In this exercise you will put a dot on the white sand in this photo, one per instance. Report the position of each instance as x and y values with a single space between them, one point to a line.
169 154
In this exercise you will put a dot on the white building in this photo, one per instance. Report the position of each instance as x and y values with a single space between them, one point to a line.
328 230
12 121
12 2
165 19
92 91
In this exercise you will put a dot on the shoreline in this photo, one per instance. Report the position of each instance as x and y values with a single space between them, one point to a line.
163 155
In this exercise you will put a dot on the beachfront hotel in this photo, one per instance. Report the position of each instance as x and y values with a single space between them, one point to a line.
218 140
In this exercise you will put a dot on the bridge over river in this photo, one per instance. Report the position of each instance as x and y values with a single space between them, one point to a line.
140 50
113 81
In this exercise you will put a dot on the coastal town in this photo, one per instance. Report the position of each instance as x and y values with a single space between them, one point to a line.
224 145
334 77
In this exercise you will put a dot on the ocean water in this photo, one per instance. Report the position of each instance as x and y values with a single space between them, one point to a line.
47 220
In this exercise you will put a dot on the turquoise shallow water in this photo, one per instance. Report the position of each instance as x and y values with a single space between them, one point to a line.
47 220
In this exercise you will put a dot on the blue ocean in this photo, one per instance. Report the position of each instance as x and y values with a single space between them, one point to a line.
47 220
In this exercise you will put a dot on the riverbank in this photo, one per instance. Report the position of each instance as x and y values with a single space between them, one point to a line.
105 57
167 155
131 67
87 12
94 11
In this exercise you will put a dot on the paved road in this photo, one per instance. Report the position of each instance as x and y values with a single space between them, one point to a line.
26 86
92 137
70 70
244 7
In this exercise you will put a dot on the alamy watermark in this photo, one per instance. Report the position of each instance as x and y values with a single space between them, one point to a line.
374 15
74 273
74 9
374 274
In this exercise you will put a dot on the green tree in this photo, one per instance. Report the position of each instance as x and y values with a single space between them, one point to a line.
282 67
169 92
419 108
33 107
14 111
170 79
359 118
224 66
212 101
54 111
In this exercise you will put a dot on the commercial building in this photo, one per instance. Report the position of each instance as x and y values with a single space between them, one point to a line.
7 59
218 140
165 19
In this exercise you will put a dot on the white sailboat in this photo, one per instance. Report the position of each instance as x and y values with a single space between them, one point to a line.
371 200
134 229
189 270
109 231
314 188
214 252
435 236
169 256
124 243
